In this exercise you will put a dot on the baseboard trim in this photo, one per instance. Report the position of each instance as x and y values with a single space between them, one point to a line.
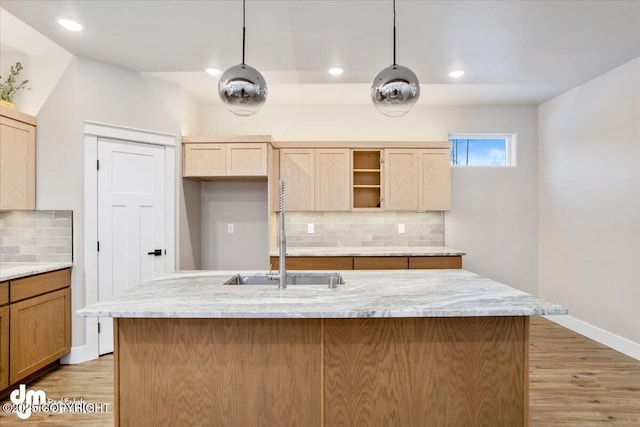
79 354
611 340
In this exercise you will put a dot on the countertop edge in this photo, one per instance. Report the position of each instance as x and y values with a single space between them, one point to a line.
32 269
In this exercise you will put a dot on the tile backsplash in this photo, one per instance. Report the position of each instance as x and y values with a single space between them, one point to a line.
361 229
37 236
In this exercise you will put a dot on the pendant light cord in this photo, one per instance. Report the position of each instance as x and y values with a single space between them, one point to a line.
394 32
244 30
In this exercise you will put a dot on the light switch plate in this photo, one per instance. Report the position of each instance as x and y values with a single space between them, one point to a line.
401 228
231 228
310 228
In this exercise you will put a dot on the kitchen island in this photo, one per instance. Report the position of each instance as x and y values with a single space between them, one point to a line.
400 347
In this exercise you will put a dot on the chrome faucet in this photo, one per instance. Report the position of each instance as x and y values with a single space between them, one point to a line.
282 276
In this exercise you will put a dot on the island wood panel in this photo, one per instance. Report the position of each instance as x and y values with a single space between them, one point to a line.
314 263
4 347
39 284
426 371
40 331
435 262
219 372
380 263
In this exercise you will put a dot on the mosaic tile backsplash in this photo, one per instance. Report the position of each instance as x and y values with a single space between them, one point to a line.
362 229
38 236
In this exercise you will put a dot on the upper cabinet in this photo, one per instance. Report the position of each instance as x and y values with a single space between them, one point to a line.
210 158
17 160
417 179
315 179
367 179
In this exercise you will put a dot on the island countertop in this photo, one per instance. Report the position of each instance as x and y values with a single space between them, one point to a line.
366 293
332 251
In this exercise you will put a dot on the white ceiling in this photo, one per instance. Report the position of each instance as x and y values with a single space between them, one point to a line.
512 51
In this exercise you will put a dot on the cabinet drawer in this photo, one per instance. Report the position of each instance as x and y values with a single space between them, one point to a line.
315 263
37 285
380 263
435 262
4 293
40 331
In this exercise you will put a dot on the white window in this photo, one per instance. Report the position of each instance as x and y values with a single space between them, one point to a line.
483 149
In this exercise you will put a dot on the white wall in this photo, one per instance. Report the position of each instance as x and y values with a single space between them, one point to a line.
91 90
243 204
494 211
589 195
44 61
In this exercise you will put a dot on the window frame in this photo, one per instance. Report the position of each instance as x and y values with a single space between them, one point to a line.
510 147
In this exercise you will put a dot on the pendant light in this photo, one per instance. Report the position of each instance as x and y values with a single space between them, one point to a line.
396 89
242 88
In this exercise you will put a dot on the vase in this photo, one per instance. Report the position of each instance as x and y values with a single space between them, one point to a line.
7 104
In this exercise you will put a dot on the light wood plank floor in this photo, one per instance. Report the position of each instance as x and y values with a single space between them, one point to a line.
574 382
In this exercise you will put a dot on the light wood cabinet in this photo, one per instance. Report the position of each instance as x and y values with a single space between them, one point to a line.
297 170
210 158
332 179
417 179
401 179
315 179
434 180
35 324
17 160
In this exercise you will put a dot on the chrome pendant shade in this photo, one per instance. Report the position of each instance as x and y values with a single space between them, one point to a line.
396 89
242 89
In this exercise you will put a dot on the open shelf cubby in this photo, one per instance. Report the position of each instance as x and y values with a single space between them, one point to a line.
367 187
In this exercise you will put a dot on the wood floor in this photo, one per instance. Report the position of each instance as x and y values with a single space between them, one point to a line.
574 382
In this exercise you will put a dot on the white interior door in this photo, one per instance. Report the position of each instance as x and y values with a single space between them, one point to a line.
131 221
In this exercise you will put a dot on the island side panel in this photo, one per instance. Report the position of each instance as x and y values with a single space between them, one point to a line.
231 372
467 371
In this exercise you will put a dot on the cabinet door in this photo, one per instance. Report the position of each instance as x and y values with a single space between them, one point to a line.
401 179
17 165
297 170
332 179
434 180
246 159
40 332
204 160
4 347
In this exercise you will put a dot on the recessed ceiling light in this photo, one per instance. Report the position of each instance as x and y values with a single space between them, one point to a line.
457 73
336 71
70 24
213 71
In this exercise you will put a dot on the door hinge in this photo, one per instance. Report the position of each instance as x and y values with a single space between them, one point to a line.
98 246
98 327
98 164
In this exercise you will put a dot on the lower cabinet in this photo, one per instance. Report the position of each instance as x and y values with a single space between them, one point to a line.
40 332
35 324
4 347
370 262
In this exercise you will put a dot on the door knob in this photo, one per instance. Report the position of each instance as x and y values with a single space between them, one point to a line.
156 252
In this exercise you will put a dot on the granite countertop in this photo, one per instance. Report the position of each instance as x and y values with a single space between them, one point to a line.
380 293
16 270
371 251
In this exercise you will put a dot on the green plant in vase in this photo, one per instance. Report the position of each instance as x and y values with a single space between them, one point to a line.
10 86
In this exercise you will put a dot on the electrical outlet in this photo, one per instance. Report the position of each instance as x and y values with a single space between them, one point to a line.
401 228
310 228
231 228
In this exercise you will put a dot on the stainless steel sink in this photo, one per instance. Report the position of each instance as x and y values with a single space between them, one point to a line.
293 278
